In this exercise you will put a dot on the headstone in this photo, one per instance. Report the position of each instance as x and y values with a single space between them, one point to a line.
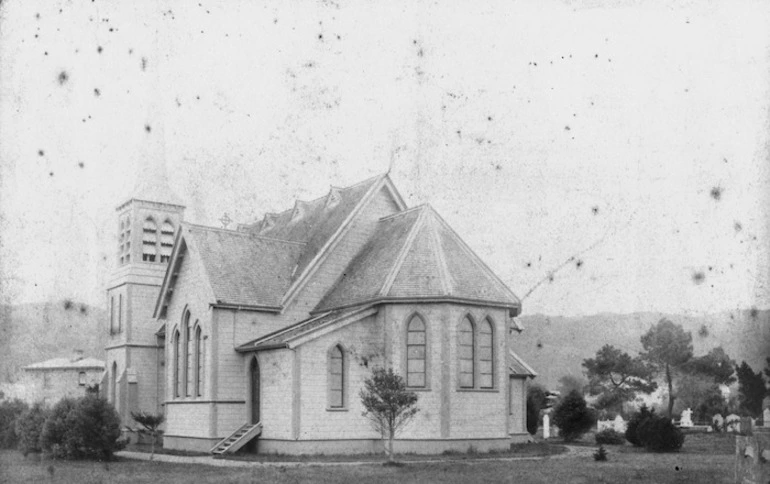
718 421
619 424
732 423
603 425
546 426
766 417
686 420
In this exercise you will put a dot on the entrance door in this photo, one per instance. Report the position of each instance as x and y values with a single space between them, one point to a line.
254 387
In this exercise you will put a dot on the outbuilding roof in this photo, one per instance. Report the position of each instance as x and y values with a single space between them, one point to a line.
67 364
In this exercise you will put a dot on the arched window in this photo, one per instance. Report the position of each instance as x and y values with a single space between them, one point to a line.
486 355
166 241
336 378
189 357
177 366
149 240
199 360
465 352
415 352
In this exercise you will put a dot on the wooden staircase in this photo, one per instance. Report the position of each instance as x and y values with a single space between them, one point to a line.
237 439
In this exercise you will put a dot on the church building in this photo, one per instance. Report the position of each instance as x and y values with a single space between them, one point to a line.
262 336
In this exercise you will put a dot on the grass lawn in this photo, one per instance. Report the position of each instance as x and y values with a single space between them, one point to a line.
629 466
694 443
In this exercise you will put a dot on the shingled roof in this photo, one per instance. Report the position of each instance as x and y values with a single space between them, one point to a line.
243 268
416 255
313 223
284 337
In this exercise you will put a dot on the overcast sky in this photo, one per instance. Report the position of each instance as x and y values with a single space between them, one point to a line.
632 135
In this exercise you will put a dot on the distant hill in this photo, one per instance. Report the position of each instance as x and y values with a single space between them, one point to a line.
40 331
556 345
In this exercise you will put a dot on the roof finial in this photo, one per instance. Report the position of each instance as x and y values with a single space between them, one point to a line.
225 220
393 154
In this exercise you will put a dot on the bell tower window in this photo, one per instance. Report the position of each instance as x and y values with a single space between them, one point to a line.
166 241
149 240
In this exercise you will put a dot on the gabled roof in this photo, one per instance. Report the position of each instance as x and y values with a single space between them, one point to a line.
316 222
243 268
284 337
67 364
518 367
415 255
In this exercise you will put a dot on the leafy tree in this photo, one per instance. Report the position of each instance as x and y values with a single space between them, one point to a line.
9 412
151 423
716 365
388 404
55 428
536 400
573 417
658 434
668 348
751 390
92 429
29 426
702 395
567 383
617 377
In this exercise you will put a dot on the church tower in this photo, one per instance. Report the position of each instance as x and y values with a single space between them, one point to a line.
147 224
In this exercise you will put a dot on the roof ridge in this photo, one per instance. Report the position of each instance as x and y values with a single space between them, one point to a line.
417 225
241 233
317 199
403 212
446 278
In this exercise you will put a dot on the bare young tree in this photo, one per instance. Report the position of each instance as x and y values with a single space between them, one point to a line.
388 404
151 423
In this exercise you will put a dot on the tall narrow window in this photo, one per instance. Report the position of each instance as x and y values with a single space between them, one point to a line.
149 240
486 355
166 241
177 364
199 360
189 361
82 378
465 352
415 352
120 313
336 378
112 314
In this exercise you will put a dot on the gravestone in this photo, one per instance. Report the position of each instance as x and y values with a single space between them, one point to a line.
546 426
719 422
733 423
619 424
766 417
686 420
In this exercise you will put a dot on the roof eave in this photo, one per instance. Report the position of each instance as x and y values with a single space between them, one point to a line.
422 299
254 349
246 307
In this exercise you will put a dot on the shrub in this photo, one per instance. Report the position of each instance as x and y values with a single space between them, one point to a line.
659 434
29 426
634 422
536 399
573 417
55 428
92 429
600 454
9 412
610 437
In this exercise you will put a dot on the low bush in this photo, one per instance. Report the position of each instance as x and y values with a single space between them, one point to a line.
659 434
634 422
9 412
610 437
29 426
600 454
92 430
573 417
